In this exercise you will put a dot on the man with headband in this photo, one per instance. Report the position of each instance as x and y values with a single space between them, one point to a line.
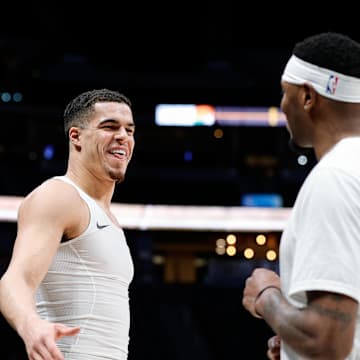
312 307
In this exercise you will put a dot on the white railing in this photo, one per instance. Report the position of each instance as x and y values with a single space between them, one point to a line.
178 217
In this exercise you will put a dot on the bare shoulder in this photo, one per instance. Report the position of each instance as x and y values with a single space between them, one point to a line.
53 198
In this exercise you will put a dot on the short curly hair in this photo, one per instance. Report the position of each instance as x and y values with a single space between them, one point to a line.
331 50
78 110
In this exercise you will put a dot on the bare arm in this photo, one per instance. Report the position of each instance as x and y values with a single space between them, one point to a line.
42 222
322 330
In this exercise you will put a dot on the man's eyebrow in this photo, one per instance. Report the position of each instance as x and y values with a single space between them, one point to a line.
107 121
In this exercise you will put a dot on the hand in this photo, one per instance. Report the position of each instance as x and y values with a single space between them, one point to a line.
40 339
273 352
259 280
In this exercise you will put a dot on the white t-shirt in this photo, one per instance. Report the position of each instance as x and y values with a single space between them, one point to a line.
320 246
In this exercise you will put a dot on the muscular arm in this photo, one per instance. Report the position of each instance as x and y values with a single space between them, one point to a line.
323 330
43 218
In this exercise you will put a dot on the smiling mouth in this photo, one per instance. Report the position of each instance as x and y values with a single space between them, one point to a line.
118 152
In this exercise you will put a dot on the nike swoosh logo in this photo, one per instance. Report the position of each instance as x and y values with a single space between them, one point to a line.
101 226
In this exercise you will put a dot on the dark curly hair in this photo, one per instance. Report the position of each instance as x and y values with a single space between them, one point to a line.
78 110
331 50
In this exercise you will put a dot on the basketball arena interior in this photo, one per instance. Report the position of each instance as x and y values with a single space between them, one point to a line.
212 179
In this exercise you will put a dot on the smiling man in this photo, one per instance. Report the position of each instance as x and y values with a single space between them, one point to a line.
66 289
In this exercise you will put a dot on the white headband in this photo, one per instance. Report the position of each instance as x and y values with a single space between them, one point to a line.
328 83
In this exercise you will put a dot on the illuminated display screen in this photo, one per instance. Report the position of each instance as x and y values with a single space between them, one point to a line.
208 115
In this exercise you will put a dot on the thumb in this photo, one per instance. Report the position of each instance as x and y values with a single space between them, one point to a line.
63 330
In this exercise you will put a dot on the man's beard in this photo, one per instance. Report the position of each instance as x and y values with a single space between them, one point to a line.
299 149
119 177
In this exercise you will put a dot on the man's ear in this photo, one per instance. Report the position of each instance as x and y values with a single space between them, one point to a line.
74 135
310 96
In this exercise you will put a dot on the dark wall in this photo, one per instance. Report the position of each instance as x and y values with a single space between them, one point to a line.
192 323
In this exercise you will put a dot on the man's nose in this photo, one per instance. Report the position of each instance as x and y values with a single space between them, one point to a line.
121 133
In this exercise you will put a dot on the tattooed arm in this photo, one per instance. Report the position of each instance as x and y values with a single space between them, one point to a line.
323 330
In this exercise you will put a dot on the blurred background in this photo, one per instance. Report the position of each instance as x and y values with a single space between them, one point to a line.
204 81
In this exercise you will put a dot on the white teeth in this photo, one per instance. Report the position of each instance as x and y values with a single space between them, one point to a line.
121 152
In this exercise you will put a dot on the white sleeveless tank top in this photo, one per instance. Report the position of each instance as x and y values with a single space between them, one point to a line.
87 285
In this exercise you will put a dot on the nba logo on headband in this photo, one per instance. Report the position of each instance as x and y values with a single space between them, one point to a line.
332 84
326 82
